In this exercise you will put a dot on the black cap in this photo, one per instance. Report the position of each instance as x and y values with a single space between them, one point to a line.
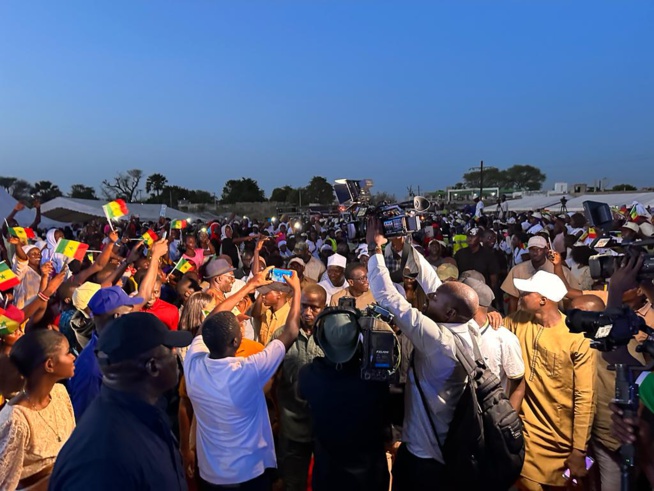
131 335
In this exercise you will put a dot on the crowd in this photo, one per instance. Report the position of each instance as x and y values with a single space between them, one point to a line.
168 355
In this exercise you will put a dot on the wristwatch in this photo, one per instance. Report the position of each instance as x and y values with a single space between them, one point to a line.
373 248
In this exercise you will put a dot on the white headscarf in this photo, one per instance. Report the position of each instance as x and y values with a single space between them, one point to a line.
223 235
49 254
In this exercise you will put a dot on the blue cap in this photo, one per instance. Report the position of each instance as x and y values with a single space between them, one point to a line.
107 299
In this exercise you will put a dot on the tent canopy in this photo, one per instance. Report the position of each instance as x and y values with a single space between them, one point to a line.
575 204
74 210
26 216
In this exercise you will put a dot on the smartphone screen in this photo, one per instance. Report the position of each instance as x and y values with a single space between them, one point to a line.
280 275
589 464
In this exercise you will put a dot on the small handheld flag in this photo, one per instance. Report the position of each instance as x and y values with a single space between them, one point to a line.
22 233
183 265
115 209
149 237
8 278
7 325
72 249
180 224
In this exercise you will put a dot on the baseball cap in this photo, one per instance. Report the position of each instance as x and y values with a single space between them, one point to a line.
134 334
300 247
546 284
473 231
483 291
537 241
338 337
471 273
216 267
446 271
83 294
647 229
297 260
274 286
537 215
107 299
631 226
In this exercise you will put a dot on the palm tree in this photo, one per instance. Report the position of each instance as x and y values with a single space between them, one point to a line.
155 184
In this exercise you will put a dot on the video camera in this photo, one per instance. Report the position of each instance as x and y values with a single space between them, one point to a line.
379 349
398 220
610 329
602 266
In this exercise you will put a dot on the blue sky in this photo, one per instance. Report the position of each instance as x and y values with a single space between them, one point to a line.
405 93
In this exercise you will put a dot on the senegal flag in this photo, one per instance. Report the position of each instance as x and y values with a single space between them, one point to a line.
22 233
115 209
7 325
72 249
184 265
178 224
7 277
149 237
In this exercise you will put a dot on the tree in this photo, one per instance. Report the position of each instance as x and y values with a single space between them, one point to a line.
46 190
155 184
124 186
244 189
624 187
380 197
21 190
493 177
7 183
83 192
524 177
281 195
318 191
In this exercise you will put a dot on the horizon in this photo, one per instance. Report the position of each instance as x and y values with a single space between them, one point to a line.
410 95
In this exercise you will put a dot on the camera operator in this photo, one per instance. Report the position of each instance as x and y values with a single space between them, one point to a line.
350 420
638 431
449 309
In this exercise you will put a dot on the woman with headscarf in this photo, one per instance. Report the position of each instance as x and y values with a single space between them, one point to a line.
35 424
48 253
27 266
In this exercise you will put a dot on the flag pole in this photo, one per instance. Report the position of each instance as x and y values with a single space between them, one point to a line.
108 219
172 270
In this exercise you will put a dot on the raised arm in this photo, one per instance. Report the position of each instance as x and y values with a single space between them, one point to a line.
292 327
259 279
99 264
146 287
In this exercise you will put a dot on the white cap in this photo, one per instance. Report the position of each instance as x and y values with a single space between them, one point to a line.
546 284
632 226
298 261
537 215
336 260
647 229
537 241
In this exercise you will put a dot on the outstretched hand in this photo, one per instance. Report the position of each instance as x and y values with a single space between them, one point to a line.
375 231
262 278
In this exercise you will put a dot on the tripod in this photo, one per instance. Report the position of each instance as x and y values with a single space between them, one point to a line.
564 209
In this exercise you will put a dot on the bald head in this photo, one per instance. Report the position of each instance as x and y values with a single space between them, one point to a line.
453 302
589 303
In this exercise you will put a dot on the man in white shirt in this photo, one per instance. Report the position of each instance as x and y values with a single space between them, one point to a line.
234 438
535 222
479 208
448 312
500 347
333 281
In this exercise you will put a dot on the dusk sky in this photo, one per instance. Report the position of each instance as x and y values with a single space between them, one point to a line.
405 93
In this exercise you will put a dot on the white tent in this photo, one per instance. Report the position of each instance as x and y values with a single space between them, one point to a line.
25 217
532 203
73 210
612 199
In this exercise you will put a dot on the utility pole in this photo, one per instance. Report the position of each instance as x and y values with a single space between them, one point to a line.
481 180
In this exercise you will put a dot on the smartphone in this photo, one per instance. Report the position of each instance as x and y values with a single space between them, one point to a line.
280 275
589 464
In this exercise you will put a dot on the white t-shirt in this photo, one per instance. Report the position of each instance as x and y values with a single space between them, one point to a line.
534 229
479 209
234 438
502 354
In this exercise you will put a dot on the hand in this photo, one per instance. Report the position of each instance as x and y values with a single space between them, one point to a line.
624 429
495 320
293 281
260 244
188 458
113 236
261 279
576 462
159 248
14 240
374 232
55 282
555 258
47 269
624 277
36 203
135 253
19 206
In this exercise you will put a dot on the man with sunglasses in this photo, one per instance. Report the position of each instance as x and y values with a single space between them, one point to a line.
356 276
